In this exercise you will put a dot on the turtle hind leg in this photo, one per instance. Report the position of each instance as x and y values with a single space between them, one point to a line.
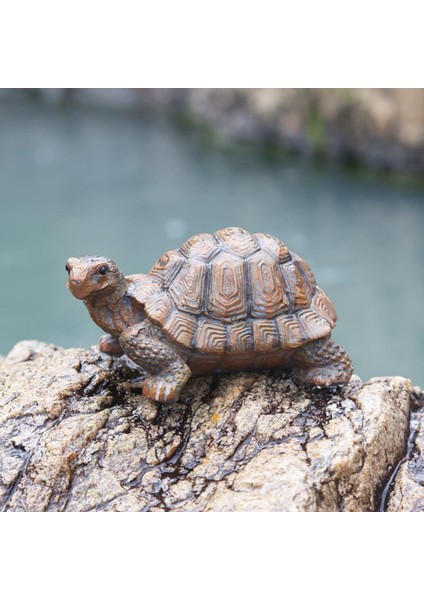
167 373
322 363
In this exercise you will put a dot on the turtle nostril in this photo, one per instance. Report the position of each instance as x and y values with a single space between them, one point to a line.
76 281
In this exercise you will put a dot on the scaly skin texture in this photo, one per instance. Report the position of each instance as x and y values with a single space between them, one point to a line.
323 363
168 373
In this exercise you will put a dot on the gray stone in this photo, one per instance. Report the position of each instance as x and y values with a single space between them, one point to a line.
76 435
408 483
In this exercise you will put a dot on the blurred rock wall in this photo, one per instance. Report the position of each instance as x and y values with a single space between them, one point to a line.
379 128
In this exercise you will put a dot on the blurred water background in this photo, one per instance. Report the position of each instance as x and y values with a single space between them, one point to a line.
131 187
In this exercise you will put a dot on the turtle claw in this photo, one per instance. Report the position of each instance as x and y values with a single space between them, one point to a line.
161 389
327 377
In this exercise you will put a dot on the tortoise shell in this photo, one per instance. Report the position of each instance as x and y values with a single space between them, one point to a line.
235 292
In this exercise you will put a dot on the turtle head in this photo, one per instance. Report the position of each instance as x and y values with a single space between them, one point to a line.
89 274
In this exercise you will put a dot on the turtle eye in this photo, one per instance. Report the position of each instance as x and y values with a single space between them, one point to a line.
67 268
103 270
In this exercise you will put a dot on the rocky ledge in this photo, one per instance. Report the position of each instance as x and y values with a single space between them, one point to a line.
407 483
76 435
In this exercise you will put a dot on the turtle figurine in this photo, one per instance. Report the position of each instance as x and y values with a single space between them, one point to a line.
227 301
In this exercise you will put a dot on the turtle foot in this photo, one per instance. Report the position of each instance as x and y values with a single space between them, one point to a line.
323 363
162 389
327 376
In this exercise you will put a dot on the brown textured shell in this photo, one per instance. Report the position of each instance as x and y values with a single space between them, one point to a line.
236 292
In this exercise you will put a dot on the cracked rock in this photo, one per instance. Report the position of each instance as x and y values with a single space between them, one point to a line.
408 484
76 435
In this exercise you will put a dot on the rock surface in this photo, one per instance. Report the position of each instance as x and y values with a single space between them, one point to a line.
75 435
408 484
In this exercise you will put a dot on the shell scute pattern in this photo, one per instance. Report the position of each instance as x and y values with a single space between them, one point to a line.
181 327
236 292
203 246
268 295
238 241
187 289
159 307
306 270
227 290
290 332
274 247
324 307
240 337
298 289
265 335
167 267
142 287
211 337
312 324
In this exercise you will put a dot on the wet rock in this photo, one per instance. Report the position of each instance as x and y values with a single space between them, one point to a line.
76 435
408 484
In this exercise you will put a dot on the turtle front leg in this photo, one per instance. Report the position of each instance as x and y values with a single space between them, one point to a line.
109 345
323 363
167 372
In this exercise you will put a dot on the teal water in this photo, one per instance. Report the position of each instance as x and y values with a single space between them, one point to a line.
130 188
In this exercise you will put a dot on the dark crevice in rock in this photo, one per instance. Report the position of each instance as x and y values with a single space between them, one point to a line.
406 485
387 487
410 454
